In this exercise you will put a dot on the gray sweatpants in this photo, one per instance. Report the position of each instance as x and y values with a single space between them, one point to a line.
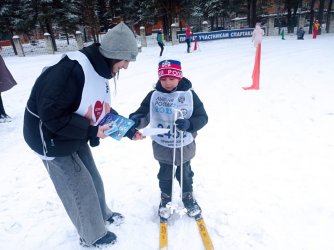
80 188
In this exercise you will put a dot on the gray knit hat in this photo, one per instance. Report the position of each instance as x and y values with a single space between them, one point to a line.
119 43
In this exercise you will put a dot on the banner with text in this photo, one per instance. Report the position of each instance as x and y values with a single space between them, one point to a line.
215 35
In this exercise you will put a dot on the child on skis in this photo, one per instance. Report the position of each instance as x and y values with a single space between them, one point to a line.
172 93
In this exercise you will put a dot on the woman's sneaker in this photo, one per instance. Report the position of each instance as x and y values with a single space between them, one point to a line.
193 209
116 219
163 211
109 239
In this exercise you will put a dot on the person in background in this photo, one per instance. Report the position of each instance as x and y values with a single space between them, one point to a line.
188 38
161 41
172 90
316 27
283 34
6 83
300 33
66 103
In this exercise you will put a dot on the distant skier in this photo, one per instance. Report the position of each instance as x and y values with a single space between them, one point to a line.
188 38
161 41
172 92
282 34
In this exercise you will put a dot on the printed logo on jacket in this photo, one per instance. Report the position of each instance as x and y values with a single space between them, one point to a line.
95 100
165 108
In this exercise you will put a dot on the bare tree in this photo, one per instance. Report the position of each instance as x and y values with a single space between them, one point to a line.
321 14
328 20
311 17
292 5
252 19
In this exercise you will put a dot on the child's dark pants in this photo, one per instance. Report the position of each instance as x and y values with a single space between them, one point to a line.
165 177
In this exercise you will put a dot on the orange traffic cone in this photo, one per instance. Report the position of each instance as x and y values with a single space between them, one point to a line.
256 70
195 44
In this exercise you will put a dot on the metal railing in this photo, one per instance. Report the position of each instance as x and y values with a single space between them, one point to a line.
38 47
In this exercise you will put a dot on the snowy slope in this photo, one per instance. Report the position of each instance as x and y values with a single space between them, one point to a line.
264 164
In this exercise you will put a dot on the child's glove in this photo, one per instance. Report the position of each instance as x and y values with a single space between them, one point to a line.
182 124
132 131
136 118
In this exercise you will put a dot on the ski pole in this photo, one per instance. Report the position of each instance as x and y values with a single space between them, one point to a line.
177 111
174 154
181 156
181 165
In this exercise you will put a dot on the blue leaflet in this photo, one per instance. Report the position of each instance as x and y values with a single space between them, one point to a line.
119 125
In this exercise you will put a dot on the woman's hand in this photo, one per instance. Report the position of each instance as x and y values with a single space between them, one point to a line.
100 132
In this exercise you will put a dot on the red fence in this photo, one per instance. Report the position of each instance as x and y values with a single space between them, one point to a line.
5 43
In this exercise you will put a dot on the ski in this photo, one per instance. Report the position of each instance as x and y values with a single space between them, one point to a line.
201 227
204 232
163 234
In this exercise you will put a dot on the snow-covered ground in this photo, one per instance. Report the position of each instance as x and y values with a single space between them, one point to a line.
264 167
